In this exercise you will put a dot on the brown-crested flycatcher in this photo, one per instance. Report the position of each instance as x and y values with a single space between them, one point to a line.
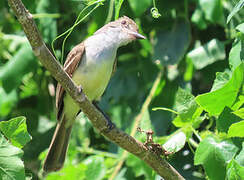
90 64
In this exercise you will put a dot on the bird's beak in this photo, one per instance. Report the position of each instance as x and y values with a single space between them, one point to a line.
137 35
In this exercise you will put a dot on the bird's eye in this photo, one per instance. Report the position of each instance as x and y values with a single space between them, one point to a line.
123 22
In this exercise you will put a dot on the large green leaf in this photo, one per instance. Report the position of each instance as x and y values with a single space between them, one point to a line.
207 54
11 165
214 155
214 102
171 45
23 61
236 129
16 131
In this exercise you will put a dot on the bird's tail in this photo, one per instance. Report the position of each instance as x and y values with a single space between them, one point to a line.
58 147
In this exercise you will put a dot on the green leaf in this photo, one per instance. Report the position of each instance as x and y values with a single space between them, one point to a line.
240 157
95 167
213 10
221 79
23 62
7 101
237 8
171 45
189 70
236 55
240 27
70 171
117 5
139 167
11 165
214 155
239 112
185 104
234 171
139 6
16 131
207 54
214 102
236 129
198 19
239 102
176 142
226 119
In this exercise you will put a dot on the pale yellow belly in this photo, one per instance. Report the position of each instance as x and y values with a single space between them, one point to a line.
93 82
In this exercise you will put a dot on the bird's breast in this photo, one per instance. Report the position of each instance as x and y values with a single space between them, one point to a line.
94 72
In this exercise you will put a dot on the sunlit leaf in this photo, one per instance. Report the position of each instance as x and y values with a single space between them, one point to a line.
11 165
214 102
234 171
214 154
239 112
221 79
175 142
207 54
16 131
236 129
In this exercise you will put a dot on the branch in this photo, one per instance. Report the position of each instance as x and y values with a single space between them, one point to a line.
98 120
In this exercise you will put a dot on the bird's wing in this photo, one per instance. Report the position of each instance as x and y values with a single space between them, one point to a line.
73 59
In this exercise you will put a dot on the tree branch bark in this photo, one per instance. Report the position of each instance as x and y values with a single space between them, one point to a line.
162 167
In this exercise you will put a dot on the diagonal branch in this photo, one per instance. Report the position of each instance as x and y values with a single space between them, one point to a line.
98 120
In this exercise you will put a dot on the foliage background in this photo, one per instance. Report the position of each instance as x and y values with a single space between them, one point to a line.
190 42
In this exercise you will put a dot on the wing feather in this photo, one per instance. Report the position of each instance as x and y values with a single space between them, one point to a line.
72 61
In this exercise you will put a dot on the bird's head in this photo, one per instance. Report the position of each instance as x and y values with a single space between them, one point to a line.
125 29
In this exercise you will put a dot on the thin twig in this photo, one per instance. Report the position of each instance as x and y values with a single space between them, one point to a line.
162 167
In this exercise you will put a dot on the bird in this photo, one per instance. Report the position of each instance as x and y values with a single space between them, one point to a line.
90 64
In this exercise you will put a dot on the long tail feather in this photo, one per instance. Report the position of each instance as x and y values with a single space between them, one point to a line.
58 147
